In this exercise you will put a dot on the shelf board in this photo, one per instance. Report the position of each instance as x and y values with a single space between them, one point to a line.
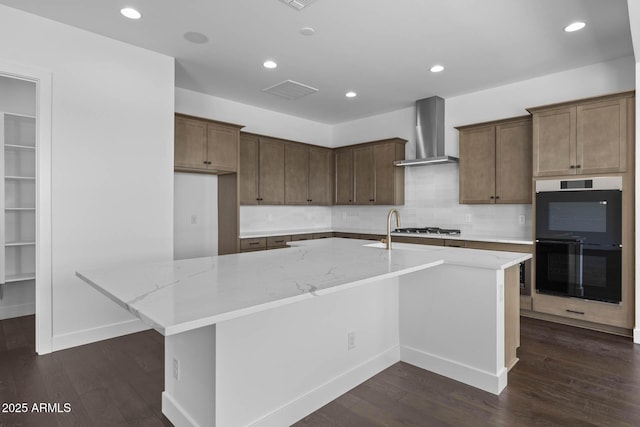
19 277
20 178
27 116
12 244
20 147
19 209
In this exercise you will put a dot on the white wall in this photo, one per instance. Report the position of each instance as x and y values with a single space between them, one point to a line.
112 162
195 217
431 196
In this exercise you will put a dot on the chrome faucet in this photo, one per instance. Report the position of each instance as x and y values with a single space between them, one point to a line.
387 241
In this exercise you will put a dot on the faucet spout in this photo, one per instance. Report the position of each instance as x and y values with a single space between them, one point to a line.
387 241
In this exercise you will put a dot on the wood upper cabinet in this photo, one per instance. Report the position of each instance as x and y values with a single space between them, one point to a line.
296 174
261 170
388 178
344 176
582 137
320 176
495 162
366 174
363 176
308 175
205 146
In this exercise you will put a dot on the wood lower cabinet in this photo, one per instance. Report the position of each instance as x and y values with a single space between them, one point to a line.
205 146
366 174
495 162
261 170
583 137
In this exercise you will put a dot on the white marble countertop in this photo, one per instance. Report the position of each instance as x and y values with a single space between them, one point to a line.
178 296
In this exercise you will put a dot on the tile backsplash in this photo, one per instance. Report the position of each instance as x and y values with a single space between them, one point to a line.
431 199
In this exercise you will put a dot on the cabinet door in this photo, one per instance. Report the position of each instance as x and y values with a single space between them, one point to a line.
477 165
554 142
513 162
222 148
249 149
271 172
190 144
602 137
344 176
296 174
320 176
388 178
363 175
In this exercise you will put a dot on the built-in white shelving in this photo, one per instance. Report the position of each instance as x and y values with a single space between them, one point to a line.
18 198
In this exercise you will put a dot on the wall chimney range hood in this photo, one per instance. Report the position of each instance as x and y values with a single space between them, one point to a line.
430 149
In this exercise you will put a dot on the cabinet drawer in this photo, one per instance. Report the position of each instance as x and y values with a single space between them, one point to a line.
455 243
274 242
507 247
590 311
322 235
254 244
418 240
298 237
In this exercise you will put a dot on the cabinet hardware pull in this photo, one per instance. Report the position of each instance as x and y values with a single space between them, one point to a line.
575 312
578 166
279 241
254 243
497 197
491 197
572 167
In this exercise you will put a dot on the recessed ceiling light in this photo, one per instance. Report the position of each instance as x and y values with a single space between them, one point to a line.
307 31
350 94
131 13
195 37
436 68
270 64
574 27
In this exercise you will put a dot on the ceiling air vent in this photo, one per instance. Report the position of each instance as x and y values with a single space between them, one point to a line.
298 4
290 89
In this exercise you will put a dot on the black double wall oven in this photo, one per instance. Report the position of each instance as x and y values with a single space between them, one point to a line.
579 238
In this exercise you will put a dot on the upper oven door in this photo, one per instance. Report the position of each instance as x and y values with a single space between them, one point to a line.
593 216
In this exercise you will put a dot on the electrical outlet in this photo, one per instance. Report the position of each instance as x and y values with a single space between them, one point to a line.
351 340
467 218
176 369
194 219
521 219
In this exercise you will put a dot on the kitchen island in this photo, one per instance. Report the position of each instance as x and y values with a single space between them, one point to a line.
265 338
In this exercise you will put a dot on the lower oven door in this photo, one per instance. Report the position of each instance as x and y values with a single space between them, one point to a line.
579 270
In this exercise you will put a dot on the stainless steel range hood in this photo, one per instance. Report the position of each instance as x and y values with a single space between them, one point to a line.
430 149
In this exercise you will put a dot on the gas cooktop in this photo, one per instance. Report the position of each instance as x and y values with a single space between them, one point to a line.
428 230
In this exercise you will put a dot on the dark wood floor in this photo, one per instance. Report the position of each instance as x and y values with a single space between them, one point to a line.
565 377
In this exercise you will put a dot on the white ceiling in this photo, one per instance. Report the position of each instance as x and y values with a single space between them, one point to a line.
382 49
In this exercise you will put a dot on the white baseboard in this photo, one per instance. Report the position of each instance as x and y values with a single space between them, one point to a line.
493 383
87 336
17 310
330 390
175 413
636 335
